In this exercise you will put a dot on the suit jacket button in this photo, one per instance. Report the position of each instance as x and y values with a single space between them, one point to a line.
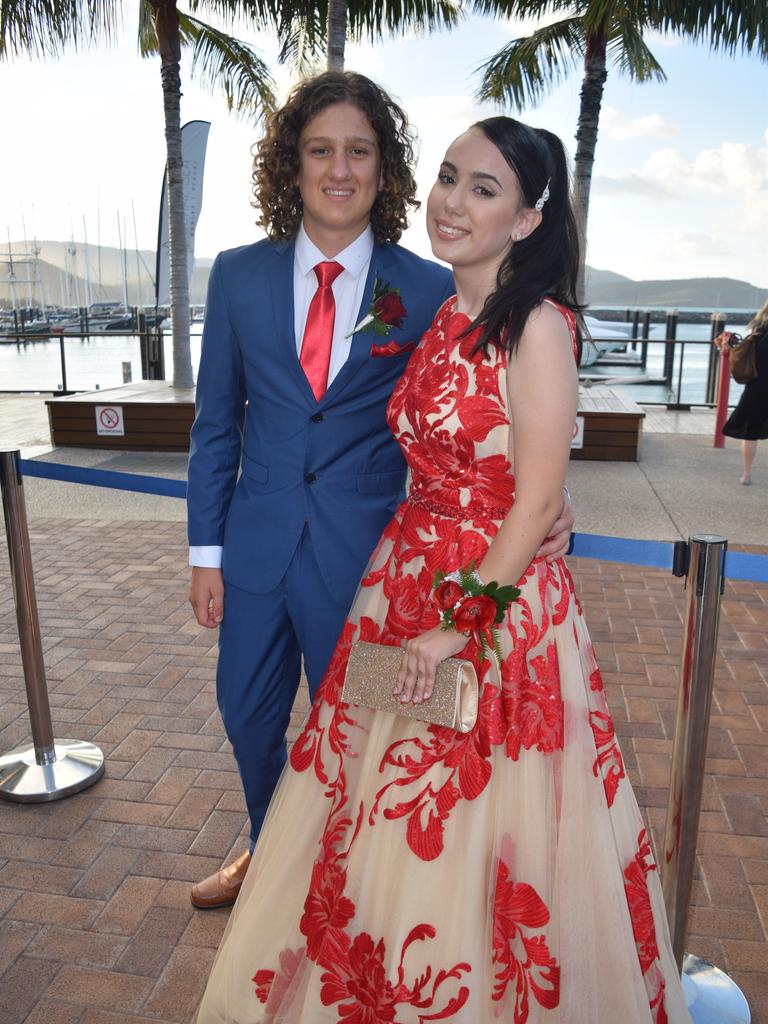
317 418
309 478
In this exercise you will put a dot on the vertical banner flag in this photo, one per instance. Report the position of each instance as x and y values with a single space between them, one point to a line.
194 138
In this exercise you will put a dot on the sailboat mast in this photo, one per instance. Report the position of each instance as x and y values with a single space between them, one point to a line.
88 295
11 273
98 247
75 277
136 245
122 253
29 298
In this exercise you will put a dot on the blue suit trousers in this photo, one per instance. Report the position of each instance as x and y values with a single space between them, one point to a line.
261 642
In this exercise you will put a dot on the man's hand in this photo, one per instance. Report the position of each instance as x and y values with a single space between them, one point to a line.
556 544
206 595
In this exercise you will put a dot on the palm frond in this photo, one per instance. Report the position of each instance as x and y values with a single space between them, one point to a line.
303 42
525 8
600 17
371 21
147 37
523 71
228 63
259 14
725 25
149 44
627 50
40 28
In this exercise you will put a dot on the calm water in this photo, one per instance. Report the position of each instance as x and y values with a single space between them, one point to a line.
97 363
92 363
695 361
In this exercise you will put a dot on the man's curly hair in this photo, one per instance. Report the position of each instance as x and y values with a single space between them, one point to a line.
276 156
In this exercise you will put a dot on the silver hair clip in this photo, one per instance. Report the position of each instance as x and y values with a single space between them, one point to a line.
539 204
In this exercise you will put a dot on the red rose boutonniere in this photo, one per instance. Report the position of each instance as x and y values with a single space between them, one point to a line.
385 312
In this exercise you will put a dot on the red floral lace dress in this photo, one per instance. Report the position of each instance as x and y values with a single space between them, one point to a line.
407 873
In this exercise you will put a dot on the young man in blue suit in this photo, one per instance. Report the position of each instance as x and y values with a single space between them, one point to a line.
292 393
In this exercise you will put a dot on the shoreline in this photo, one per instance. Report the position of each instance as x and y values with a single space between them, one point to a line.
659 315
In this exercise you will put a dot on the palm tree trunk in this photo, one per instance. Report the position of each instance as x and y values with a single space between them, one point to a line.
595 74
167 28
337 34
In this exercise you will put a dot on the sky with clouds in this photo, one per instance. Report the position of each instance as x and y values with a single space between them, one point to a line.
680 186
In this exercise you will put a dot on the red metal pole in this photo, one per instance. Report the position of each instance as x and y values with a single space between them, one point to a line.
723 386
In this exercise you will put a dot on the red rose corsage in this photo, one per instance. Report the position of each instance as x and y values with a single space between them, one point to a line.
470 606
386 312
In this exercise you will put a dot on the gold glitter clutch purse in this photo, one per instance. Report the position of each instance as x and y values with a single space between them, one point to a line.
371 674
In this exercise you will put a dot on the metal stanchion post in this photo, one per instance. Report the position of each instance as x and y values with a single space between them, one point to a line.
63 358
711 995
48 768
669 350
717 327
645 336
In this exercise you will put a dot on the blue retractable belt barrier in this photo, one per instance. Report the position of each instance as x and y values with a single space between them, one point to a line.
738 564
162 485
741 566
655 553
650 553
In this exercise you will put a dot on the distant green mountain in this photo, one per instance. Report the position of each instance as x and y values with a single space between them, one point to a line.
63 269
595 276
604 288
63 273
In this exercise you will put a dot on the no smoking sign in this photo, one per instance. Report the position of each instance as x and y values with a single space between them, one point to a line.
109 420
577 437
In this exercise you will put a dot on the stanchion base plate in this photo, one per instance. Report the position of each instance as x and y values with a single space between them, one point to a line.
77 765
711 996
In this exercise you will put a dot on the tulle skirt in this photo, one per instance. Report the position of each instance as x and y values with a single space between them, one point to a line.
406 873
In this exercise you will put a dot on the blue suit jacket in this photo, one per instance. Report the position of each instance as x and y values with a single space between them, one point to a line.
332 465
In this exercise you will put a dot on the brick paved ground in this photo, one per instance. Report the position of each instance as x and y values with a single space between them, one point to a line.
96 925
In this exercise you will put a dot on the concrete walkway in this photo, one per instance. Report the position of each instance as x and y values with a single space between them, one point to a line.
681 485
95 921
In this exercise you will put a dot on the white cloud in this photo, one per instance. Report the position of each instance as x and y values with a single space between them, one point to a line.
630 184
655 40
735 168
616 125
735 172
681 246
677 253
444 117
516 28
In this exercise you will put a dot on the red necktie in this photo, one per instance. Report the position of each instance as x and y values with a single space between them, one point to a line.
318 333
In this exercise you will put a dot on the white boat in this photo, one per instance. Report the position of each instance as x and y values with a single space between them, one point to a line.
603 336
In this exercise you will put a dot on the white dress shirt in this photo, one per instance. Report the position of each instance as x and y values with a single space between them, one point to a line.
348 289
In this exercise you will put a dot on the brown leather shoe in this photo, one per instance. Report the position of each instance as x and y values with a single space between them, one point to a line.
221 888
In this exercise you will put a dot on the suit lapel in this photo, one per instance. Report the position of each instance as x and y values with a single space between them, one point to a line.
280 299
381 260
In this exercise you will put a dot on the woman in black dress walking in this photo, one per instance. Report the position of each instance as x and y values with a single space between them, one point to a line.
749 420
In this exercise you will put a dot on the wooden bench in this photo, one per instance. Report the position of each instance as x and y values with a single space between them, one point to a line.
612 425
152 415
155 416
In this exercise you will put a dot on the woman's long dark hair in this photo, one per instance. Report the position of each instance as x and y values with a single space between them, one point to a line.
544 265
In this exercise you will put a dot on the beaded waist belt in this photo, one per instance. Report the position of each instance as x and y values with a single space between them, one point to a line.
442 508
